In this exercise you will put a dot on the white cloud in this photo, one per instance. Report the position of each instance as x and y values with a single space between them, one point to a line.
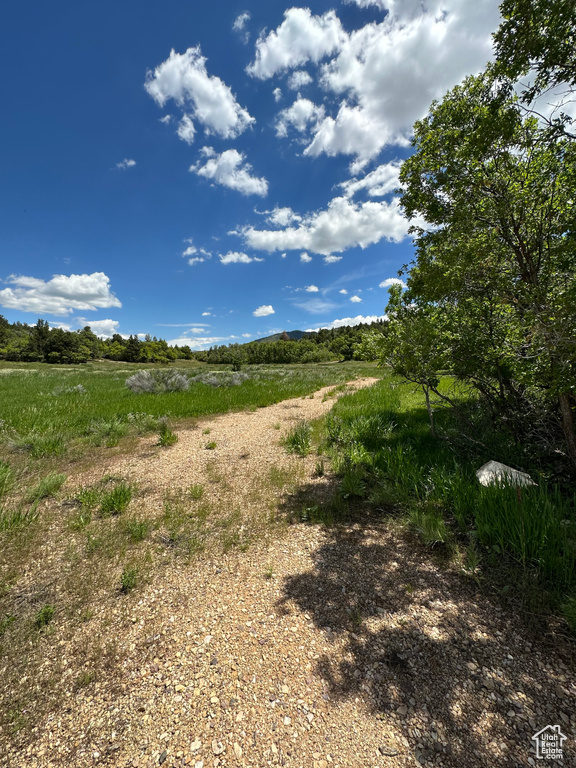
315 306
305 259
102 328
277 93
184 78
191 254
348 321
166 119
300 38
61 295
282 217
186 130
299 79
332 259
200 343
230 170
386 74
392 281
300 115
206 314
234 257
312 289
240 26
344 291
126 163
344 224
246 335
264 310
355 299
196 260
381 181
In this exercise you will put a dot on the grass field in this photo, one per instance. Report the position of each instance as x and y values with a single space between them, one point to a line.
48 410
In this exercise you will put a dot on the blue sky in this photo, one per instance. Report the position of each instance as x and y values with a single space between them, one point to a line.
211 173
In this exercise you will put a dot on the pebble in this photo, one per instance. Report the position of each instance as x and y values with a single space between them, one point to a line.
217 747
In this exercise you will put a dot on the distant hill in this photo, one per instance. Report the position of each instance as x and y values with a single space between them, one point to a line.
292 335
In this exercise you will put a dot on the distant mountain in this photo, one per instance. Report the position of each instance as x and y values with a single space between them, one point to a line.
292 335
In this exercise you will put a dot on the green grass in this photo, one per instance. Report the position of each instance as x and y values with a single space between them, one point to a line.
116 500
383 449
44 616
298 439
48 486
44 417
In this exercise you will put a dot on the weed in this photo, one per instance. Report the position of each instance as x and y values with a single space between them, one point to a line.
107 432
196 491
48 486
80 520
136 530
210 446
5 623
84 679
128 580
6 478
569 613
269 572
115 501
352 485
44 616
297 439
277 425
17 517
89 497
165 436
319 469
206 431
429 524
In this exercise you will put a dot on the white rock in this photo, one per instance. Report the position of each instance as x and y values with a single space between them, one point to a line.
494 472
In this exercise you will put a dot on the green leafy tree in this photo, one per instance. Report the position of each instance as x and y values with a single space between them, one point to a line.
491 196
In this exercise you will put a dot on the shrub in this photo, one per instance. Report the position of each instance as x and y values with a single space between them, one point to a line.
156 381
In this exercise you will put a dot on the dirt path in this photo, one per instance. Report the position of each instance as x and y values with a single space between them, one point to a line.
331 647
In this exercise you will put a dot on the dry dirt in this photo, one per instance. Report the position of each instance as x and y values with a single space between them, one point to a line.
316 647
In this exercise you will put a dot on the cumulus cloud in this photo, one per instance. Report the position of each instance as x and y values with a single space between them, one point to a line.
166 119
102 328
264 310
300 38
344 291
344 224
186 130
234 257
348 321
386 74
302 114
230 170
330 259
305 258
206 314
391 281
184 78
381 181
196 255
277 93
299 79
282 217
355 299
61 295
126 163
312 289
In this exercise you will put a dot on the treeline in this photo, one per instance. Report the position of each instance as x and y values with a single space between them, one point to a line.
21 342
323 346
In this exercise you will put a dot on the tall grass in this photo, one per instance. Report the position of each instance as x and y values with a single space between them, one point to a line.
381 437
